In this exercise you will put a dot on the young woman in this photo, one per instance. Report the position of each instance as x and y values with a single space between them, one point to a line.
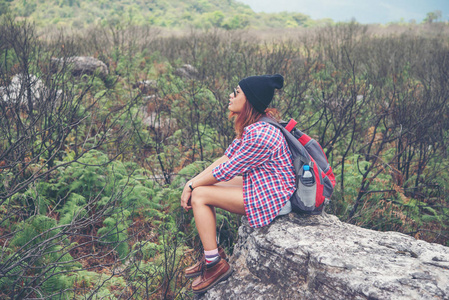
259 153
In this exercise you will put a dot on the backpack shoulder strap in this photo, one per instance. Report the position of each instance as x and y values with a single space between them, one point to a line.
299 153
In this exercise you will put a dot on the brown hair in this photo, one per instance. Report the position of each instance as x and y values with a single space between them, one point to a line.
248 116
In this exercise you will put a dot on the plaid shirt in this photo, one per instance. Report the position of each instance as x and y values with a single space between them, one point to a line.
263 157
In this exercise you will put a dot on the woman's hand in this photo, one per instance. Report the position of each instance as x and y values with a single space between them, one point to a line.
185 197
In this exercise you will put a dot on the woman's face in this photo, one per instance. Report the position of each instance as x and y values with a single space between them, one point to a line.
237 101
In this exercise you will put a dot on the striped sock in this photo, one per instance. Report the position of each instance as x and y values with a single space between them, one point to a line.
211 256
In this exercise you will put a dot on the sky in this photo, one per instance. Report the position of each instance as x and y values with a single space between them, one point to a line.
363 11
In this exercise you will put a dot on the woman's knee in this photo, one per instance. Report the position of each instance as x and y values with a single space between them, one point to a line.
199 196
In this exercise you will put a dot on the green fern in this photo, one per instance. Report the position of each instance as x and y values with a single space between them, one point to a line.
8 278
55 283
115 231
73 209
32 228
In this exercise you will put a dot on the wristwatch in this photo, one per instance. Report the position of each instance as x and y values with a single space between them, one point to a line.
191 185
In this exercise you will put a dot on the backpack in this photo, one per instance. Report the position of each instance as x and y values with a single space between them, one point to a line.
309 198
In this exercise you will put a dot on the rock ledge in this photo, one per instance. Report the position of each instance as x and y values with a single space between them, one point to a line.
320 257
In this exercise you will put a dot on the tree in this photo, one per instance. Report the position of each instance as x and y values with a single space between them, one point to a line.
50 120
432 16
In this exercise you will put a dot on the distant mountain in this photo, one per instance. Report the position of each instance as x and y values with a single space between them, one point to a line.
227 14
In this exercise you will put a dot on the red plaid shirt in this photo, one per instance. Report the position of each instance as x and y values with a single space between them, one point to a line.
263 157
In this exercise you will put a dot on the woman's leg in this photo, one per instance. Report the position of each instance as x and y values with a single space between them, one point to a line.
236 181
204 199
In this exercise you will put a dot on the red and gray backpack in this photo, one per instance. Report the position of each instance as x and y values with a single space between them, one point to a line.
313 193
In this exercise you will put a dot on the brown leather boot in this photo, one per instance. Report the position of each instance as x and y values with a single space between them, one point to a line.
195 270
211 275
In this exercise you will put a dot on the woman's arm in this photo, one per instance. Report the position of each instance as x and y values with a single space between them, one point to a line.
210 168
204 178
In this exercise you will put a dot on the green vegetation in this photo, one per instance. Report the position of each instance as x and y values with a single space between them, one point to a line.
92 165
229 14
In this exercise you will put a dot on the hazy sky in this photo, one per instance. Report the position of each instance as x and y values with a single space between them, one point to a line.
364 11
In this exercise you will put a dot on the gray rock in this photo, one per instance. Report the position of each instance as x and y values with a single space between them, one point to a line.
320 257
25 87
80 65
146 86
187 71
158 120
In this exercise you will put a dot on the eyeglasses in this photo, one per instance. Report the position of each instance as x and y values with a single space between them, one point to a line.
235 93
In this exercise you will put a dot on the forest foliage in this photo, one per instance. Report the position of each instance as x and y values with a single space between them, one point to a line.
78 14
92 165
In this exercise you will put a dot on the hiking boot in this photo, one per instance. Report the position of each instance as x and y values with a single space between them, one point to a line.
195 270
211 275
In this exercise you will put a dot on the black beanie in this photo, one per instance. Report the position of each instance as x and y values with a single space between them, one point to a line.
259 90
